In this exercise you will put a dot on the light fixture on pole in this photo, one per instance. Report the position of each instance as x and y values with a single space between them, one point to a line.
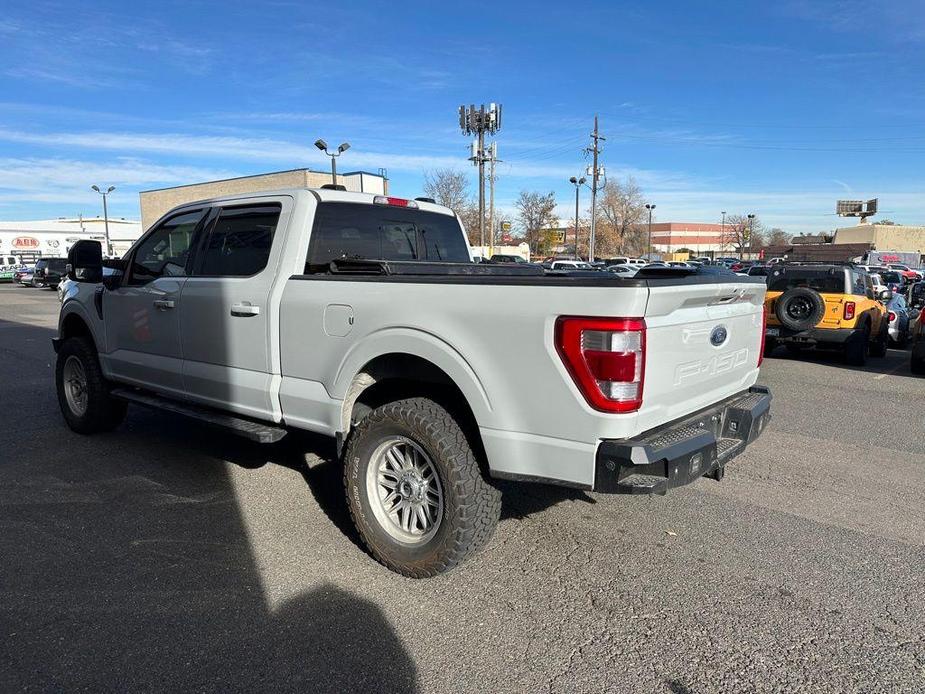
649 245
722 234
323 146
747 239
104 193
578 183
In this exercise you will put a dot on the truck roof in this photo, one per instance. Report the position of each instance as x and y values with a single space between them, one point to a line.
322 195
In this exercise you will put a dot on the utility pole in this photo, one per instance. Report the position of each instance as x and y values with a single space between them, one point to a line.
477 122
492 158
595 172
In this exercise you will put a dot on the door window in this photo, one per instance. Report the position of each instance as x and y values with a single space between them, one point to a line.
165 251
238 245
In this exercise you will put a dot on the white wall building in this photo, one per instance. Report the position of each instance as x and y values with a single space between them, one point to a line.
53 238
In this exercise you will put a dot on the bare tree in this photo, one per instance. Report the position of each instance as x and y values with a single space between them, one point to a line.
778 237
448 188
536 212
742 233
623 212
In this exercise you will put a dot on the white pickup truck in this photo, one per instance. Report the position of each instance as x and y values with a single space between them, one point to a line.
363 318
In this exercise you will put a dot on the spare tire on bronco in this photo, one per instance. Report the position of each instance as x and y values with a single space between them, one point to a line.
800 308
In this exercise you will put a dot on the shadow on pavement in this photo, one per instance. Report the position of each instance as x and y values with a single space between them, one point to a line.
127 565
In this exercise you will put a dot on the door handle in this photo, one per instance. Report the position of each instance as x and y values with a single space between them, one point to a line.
245 309
163 304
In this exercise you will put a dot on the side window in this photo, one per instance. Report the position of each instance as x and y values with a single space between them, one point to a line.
165 251
238 244
857 281
869 286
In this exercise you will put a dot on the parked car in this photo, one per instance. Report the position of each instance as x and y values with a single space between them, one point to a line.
757 271
917 340
623 270
570 265
401 372
828 306
507 258
898 312
24 276
48 272
907 272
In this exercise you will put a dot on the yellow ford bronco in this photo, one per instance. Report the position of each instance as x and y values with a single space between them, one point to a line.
825 305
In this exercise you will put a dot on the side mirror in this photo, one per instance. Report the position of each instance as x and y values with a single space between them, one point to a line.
885 294
85 262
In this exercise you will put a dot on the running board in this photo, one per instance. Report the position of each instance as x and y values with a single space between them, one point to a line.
248 428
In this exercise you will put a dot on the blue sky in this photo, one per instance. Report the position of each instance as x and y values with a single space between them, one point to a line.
775 108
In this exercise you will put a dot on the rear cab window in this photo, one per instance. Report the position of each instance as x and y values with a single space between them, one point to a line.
376 232
822 280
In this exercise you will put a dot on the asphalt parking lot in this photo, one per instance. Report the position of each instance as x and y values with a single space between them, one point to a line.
167 555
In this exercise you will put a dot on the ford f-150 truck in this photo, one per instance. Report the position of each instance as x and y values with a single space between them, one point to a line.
362 317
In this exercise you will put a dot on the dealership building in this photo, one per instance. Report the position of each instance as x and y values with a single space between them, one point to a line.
53 238
154 203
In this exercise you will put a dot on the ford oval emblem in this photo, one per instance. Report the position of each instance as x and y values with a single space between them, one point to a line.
719 335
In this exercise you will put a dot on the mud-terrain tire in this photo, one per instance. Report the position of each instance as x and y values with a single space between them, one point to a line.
83 392
416 450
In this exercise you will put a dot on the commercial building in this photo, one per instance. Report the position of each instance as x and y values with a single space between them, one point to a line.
669 237
154 203
54 237
884 237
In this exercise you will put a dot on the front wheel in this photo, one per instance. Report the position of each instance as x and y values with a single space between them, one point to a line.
83 393
415 490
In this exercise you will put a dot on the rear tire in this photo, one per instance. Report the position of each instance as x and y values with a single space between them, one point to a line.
411 459
856 348
878 349
83 392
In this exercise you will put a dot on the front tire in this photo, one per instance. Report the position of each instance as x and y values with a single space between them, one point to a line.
415 490
83 392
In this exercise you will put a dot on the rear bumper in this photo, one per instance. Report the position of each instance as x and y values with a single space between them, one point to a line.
682 452
838 336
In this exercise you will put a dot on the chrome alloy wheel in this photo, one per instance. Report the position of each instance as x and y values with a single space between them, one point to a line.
75 385
404 490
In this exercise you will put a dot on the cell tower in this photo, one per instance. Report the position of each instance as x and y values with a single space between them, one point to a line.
478 121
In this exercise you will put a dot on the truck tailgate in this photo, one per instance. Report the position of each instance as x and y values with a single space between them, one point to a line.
703 343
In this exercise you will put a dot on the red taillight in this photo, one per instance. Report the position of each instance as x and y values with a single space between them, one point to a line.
764 329
891 316
849 310
394 202
606 358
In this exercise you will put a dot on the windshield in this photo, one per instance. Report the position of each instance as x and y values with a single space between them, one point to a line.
891 277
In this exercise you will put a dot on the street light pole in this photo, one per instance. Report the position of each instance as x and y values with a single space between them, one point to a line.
105 216
649 248
323 146
722 234
578 183
751 221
